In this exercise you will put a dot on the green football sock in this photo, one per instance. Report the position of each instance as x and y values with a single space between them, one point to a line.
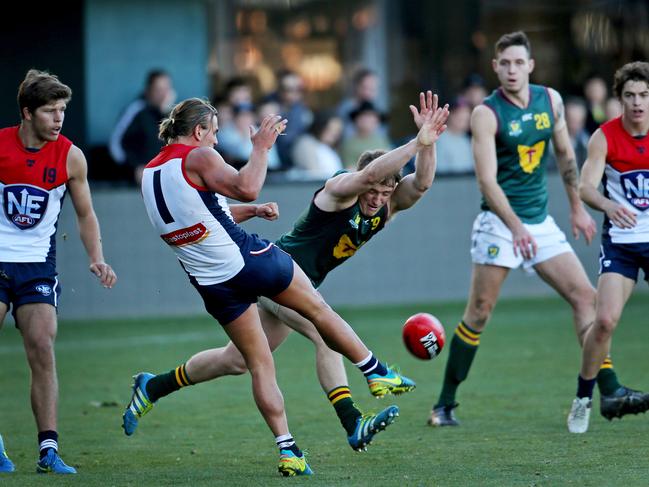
464 346
607 380
341 399
164 384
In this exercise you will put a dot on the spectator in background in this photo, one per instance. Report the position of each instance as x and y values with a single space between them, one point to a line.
365 88
134 140
474 91
367 134
314 153
237 91
290 96
266 108
454 155
595 92
612 109
234 139
576 122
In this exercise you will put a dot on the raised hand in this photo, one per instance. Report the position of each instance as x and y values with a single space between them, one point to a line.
427 104
269 129
434 124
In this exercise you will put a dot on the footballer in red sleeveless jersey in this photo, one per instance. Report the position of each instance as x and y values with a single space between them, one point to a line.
32 185
37 167
618 157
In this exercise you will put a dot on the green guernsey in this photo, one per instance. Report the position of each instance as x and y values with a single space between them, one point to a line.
522 146
322 240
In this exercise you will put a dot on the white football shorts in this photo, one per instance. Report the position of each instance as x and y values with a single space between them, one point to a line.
492 243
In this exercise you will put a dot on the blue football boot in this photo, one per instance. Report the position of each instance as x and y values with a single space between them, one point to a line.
139 405
370 424
52 463
6 465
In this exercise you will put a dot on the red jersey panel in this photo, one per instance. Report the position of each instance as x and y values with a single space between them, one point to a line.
32 186
625 152
626 180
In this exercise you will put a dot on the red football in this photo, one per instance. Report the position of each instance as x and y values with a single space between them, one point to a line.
424 336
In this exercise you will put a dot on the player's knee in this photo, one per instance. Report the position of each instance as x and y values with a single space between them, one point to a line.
237 367
480 314
40 350
604 327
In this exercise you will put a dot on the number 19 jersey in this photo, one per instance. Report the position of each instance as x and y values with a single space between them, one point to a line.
32 187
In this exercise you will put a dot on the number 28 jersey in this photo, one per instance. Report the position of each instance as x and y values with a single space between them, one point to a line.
32 187
522 147
195 222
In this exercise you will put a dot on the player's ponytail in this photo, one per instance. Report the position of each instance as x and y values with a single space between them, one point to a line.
184 117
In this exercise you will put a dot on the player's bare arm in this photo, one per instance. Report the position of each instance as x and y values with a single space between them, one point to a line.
483 127
86 218
413 186
267 211
581 221
591 176
206 167
343 190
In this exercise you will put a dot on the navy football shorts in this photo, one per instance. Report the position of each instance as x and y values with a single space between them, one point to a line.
25 283
267 272
624 258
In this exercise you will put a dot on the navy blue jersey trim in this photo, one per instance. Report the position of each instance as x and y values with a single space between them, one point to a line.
51 254
236 233
606 224
159 199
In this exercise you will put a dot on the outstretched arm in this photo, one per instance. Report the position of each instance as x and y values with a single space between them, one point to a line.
341 191
413 186
567 162
86 218
267 211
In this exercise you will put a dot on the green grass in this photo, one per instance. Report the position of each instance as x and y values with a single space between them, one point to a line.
513 408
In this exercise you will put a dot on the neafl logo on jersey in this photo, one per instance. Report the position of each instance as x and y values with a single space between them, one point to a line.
635 185
24 205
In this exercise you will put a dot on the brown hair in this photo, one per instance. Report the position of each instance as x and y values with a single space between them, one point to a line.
368 156
185 117
637 71
40 88
518 38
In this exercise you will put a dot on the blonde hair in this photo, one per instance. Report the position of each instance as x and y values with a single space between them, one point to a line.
185 117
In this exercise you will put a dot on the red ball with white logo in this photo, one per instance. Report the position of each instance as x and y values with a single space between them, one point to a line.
424 336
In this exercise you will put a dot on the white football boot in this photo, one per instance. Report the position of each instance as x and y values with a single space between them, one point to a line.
579 415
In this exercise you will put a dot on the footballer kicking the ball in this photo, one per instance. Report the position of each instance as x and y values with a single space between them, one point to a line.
342 216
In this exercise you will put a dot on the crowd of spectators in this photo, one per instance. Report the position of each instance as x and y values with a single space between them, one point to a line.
317 144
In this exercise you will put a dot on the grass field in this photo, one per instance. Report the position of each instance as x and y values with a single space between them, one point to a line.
513 408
